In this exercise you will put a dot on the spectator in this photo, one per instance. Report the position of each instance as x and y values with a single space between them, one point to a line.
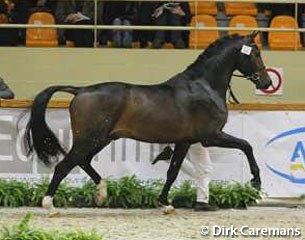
44 5
20 15
9 37
5 91
283 9
79 13
172 14
120 13
145 12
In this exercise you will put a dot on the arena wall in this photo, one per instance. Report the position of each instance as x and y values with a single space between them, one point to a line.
28 70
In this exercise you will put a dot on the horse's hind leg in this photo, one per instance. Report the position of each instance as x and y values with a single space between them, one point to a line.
172 172
101 184
62 169
80 154
101 194
225 140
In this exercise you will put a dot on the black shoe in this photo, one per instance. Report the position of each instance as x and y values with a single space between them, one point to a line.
165 155
179 44
202 206
157 44
143 44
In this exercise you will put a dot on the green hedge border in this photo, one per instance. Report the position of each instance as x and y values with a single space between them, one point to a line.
126 192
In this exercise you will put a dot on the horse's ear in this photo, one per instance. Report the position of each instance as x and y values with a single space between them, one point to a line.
254 34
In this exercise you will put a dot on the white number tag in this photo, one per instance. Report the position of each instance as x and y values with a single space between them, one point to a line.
246 50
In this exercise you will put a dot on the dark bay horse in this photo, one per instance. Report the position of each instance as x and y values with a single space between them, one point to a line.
188 108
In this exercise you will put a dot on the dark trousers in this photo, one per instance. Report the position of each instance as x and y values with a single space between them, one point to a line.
168 19
80 37
8 37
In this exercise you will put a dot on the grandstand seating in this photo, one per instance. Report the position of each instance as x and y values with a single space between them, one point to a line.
39 37
203 38
241 21
206 7
236 8
284 40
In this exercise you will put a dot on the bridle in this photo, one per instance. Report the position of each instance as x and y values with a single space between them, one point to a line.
254 77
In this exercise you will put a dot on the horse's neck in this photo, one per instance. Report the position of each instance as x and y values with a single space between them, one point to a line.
217 72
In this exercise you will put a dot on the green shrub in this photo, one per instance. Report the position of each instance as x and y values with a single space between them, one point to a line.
24 231
130 192
233 195
127 192
14 193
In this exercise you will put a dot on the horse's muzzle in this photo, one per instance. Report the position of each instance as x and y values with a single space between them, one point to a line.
264 81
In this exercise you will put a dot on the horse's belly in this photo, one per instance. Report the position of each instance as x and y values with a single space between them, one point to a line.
152 130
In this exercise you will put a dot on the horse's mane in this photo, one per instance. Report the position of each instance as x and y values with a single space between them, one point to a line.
212 50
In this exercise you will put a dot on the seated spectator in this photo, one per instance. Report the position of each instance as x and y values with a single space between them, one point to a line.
78 13
282 9
44 5
9 37
145 12
120 13
20 15
5 91
171 14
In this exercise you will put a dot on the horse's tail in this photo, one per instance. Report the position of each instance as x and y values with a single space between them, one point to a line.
38 136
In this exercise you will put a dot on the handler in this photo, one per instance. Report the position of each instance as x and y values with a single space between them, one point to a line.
199 167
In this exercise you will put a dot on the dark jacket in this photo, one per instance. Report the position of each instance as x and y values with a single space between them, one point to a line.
66 7
120 9
2 7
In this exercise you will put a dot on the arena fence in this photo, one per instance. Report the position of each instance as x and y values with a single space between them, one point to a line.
62 104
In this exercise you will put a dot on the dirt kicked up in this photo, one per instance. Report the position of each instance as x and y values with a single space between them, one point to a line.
119 224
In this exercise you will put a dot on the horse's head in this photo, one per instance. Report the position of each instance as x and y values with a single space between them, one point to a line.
250 63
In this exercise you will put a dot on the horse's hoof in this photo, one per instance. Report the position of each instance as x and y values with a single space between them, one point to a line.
256 183
54 214
47 202
101 194
169 209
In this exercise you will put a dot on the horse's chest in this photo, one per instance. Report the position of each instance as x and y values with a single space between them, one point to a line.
207 120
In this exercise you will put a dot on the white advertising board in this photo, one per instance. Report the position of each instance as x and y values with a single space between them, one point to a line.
277 138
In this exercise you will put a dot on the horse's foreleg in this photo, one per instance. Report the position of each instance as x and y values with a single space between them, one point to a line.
173 170
225 140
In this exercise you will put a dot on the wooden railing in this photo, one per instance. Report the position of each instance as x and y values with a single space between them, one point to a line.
61 104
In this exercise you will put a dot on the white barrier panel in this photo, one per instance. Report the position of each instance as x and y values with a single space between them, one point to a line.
277 139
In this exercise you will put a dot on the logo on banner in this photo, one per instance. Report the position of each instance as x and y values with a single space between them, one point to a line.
290 167
276 75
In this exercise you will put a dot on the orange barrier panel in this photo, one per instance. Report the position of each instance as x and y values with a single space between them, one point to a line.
284 40
206 7
236 8
242 21
39 37
202 39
